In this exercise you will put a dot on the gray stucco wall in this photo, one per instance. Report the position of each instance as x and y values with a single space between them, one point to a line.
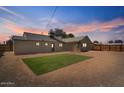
28 47
68 47
88 42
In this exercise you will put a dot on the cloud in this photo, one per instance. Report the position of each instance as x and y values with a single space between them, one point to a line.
11 12
19 30
12 28
16 17
108 26
95 26
4 37
54 23
119 31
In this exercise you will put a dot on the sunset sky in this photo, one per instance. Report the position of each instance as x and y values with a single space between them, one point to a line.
99 23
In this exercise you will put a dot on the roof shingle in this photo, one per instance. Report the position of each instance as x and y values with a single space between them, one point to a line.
32 36
75 39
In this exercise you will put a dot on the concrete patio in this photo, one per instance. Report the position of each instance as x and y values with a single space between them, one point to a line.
105 68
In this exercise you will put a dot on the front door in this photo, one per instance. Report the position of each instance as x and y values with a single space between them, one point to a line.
53 47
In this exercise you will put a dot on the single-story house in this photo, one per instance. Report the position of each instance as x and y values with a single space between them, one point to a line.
35 43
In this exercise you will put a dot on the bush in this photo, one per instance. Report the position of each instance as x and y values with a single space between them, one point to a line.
1 53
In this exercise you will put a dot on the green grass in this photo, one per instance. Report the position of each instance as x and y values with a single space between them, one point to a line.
44 64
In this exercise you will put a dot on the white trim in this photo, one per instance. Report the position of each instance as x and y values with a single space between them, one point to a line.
46 44
84 45
60 45
37 43
52 45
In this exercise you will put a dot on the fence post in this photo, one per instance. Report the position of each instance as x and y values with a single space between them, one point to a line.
109 47
121 47
100 47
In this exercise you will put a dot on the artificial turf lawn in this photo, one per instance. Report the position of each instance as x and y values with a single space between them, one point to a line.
44 64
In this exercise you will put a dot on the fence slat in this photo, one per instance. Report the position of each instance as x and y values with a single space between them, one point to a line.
108 47
5 48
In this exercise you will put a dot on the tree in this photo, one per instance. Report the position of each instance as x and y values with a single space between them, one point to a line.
111 41
59 33
96 42
118 41
51 33
70 35
10 44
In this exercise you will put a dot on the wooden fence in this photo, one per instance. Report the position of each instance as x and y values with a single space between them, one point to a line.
6 48
108 47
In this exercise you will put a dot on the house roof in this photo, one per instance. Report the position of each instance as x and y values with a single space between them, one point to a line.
18 38
75 39
32 36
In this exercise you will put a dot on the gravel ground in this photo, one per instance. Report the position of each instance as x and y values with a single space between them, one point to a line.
105 68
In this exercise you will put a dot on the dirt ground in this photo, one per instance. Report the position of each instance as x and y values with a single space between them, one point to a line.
105 68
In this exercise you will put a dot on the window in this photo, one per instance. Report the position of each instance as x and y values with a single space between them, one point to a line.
37 43
52 45
84 44
46 44
60 45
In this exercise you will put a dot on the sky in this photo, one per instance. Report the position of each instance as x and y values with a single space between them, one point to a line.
102 23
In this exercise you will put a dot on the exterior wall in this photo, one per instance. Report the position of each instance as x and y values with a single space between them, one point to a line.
57 47
71 46
88 42
88 47
68 46
28 47
77 46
